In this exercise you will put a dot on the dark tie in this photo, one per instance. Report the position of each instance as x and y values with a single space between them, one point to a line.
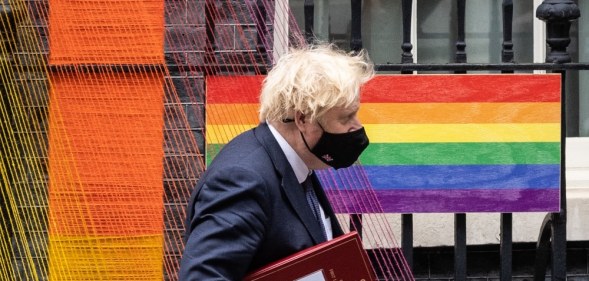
314 203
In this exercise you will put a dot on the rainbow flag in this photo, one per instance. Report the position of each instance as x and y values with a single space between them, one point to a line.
232 104
439 143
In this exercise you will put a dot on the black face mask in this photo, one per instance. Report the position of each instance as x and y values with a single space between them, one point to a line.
339 150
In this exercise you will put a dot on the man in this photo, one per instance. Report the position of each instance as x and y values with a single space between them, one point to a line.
250 207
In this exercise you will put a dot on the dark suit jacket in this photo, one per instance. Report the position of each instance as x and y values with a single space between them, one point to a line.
248 210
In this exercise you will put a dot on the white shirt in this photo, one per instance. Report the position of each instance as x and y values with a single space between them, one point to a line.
301 172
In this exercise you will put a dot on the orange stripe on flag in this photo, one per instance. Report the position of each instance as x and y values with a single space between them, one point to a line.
228 114
444 113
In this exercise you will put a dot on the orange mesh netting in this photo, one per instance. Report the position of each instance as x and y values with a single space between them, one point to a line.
111 32
105 176
103 129
105 141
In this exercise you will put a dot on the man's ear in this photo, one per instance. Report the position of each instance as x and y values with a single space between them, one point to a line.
300 120
300 117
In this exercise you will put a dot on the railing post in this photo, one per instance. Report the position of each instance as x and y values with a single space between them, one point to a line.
407 238
460 271
558 15
506 233
507 48
356 32
460 56
407 57
356 45
309 20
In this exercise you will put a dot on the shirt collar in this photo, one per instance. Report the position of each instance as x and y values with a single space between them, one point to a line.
298 165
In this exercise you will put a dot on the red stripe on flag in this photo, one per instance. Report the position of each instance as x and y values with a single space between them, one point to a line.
234 89
414 88
462 88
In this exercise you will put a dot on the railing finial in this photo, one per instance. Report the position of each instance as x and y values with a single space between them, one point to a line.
558 15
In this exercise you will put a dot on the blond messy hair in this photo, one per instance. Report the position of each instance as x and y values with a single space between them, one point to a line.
313 80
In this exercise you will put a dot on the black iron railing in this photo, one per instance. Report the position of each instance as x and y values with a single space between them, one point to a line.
558 15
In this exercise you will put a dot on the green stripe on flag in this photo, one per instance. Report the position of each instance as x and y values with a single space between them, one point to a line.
461 153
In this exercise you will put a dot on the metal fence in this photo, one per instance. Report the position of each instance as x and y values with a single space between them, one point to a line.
558 15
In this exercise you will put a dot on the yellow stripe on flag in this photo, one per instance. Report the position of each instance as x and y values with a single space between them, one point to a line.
417 133
232 113
224 133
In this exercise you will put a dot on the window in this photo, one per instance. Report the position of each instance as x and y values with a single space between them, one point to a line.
434 35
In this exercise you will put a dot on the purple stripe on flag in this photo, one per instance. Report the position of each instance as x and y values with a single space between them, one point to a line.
441 201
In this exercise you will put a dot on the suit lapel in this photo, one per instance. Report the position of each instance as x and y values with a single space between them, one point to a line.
290 185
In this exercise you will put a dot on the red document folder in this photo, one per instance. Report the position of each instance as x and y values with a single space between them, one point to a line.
339 259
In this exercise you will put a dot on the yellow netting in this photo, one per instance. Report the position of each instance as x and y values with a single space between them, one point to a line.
105 175
102 132
106 258
82 155
23 148
105 141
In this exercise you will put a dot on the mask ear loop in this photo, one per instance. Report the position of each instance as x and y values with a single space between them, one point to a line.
290 120
305 141
320 126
